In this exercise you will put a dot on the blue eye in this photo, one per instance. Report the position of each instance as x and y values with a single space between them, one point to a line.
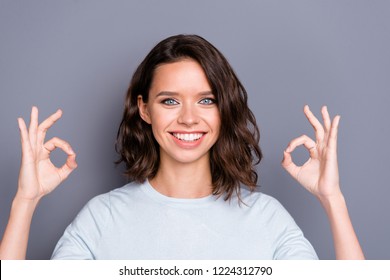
169 101
207 101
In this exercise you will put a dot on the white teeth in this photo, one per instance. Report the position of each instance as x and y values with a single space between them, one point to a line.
188 136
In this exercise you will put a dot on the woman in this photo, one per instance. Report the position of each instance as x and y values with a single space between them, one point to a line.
190 143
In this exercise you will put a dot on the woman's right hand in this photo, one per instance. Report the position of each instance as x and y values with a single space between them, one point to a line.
38 175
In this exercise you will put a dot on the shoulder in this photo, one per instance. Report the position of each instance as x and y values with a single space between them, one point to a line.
284 234
93 224
258 199
101 206
116 195
270 211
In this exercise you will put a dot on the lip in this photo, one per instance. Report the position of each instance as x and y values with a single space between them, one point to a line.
187 139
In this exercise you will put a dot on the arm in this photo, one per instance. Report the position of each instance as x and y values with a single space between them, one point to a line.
38 177
320 176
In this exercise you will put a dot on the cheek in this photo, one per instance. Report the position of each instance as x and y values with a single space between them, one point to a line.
160 120
156 135
214 122
160 123
217 122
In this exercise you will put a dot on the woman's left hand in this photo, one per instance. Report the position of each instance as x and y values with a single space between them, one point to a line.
319 174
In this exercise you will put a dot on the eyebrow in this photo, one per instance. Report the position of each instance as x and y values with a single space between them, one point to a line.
172 93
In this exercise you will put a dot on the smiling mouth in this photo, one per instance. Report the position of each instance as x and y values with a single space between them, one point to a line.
188 137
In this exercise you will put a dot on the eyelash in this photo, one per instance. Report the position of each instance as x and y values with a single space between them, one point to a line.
168 101
211 100
171 101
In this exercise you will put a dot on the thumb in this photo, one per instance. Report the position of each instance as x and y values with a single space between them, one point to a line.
68 167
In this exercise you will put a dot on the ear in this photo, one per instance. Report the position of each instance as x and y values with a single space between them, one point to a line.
143 110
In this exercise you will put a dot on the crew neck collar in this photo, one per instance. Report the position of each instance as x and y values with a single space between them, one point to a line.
181 202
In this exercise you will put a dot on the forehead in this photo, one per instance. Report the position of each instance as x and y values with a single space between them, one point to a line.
183 75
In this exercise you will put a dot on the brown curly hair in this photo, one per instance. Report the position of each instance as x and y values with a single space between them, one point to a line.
233 156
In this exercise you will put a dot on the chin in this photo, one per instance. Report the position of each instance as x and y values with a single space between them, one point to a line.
188 159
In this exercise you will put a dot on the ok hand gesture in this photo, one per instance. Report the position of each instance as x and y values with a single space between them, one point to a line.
319 174
38 176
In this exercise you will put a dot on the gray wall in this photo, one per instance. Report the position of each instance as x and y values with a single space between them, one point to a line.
79 56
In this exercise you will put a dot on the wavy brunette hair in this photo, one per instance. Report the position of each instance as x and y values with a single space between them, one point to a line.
233 156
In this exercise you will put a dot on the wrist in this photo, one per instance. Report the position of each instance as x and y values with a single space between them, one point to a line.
335 201
21 202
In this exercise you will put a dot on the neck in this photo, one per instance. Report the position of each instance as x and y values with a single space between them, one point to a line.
191 180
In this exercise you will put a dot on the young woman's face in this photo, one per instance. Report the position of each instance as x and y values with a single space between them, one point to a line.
182 112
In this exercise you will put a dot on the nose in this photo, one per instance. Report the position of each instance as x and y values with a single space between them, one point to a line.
188 115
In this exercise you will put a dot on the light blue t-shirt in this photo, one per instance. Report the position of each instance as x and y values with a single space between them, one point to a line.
137 222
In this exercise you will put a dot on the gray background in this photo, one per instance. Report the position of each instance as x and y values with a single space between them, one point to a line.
80 55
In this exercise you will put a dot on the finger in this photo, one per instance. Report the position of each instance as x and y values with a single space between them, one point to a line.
32 131
70 163
319 130
24 138
332 141
326 118
45 125
309 144
55 143
68 167
289 165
